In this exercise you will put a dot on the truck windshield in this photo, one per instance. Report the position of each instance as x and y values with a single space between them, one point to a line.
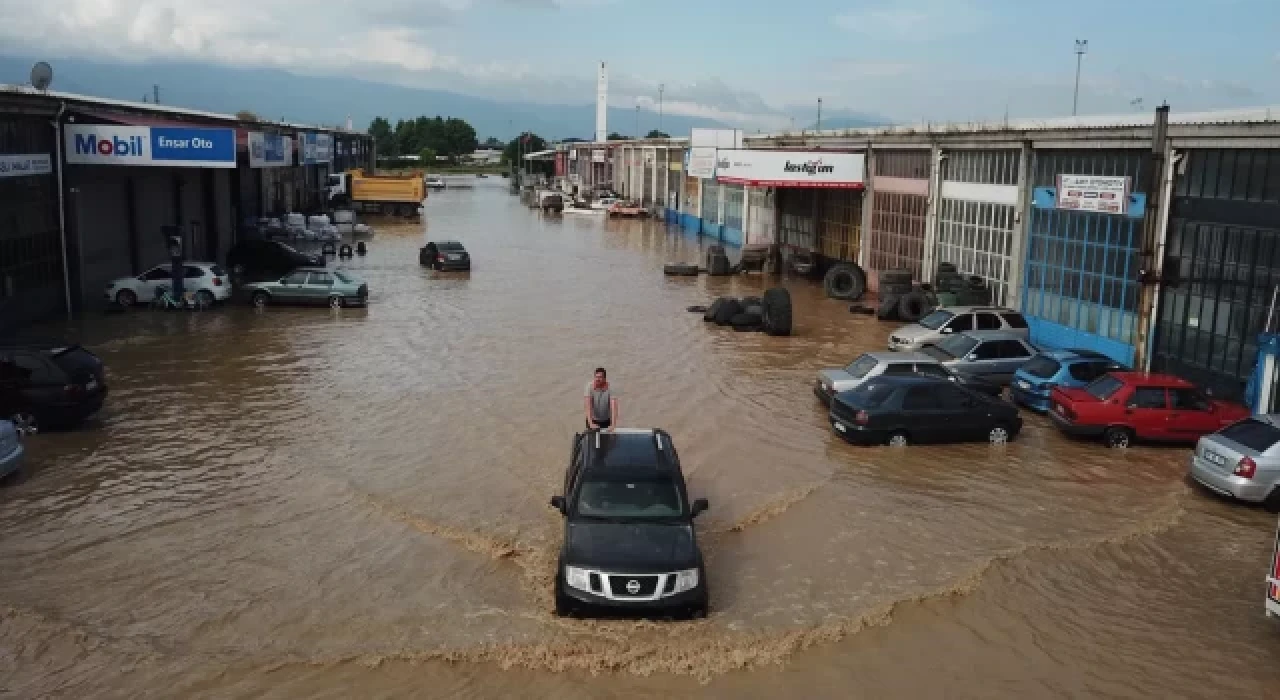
650 498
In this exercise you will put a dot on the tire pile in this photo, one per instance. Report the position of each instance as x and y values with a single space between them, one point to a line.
955 289
770 313
903 300
845 281
716 264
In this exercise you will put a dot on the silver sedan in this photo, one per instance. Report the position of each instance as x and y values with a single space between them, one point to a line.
1242 461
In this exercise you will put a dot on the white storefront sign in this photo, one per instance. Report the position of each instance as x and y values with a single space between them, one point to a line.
791 169
1106 194
25 164
597 156
702 163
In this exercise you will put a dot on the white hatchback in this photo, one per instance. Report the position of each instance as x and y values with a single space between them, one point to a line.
207 280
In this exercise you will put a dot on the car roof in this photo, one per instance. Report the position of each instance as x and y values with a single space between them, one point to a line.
629 451
457 243
886 357
971 309
992 335
1167 380
906 379
1079 354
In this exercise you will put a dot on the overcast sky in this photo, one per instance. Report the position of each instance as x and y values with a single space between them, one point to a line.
752 63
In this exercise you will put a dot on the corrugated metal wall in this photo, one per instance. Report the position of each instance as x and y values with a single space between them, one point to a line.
30 250
1081 281
900 204
1221 266
976 216
839 223
762 222
796 226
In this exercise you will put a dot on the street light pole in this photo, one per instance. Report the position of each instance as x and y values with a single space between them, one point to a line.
637 121
661 87
1082 47
819 114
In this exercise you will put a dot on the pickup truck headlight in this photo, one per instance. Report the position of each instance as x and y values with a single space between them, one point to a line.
576 578
686 580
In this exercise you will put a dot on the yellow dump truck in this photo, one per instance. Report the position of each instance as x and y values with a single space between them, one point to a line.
392 195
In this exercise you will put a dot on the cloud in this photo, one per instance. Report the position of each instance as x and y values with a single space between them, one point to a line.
913 20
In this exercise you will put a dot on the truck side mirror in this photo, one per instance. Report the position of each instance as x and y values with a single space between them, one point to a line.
557 502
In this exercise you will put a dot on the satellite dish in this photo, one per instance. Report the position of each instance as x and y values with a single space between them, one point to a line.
41 76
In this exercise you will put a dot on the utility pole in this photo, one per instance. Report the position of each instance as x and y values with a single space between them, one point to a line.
819 114
637 122
1152 222
661 87
1082 48
155 92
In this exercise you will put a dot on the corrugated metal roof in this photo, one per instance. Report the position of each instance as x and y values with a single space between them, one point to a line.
150 107
1248 115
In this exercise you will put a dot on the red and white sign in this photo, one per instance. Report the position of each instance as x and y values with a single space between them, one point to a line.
1105 194
791 169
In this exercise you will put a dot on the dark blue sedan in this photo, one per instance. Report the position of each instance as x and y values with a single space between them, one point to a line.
1065 368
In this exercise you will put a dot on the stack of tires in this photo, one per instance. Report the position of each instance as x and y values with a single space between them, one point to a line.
947 284
770 313
847 281
901 299
718 262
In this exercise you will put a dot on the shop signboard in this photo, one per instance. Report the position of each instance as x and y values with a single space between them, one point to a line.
163 146
597 155
17 165
269 150
791 169
1105 194
702 162
316 148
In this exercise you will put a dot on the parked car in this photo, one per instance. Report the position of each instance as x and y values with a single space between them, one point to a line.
943 322
901 410
445 255
629 540
1242 461
259 259
993 356
870 365
435 182
1033 381
310 285
209 281
1122 406
12 453
49 385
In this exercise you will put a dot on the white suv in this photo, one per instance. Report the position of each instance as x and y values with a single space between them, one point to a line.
941 323
207 280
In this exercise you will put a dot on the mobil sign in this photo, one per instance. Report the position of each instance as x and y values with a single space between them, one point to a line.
172 146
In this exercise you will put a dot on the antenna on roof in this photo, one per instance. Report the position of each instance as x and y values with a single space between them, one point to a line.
41 76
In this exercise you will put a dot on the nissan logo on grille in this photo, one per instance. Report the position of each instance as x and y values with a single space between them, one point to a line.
633 586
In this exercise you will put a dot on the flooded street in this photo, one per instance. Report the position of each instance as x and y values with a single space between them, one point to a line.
353 503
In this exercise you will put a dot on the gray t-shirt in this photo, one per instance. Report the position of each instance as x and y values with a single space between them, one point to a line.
600 400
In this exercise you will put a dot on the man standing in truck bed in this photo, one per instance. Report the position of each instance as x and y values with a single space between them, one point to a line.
599 403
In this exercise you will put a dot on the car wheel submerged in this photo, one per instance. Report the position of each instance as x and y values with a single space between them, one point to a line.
898 439
999 435
335 302
126 298
261 299
25 423
1117 437
205 298
564 606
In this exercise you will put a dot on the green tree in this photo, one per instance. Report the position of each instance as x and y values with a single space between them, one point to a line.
427 156
380 130
524 143
245 115
615 136
492 142
655 134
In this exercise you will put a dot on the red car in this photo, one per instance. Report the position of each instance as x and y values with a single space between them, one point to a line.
1121 406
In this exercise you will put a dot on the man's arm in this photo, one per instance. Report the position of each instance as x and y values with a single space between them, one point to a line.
586 407
613 413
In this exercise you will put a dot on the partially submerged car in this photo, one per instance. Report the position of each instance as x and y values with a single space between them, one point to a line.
444 255
209 281
1123 406
12 454
629 541
941 323
1242 461
1035 380
992 356
49 384
310 285
904 410
870 365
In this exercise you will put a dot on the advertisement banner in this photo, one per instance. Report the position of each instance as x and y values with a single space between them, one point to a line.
791 169
597 156
1106 194
316 148
269 150
702 162
175 147
25 164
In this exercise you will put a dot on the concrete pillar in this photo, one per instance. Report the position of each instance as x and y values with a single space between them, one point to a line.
868 205
746 215
1021 229
931 218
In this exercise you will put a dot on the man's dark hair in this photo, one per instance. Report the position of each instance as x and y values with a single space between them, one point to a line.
600 370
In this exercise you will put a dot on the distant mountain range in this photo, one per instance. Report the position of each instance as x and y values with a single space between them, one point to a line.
276 94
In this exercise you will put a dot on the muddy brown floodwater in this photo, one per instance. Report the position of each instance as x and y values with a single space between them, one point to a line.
313 503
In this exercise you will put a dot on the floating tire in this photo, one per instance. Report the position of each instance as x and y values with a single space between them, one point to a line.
751 301
777 311
680 270
718 266
710 314
757 309
730 308
912 307
888 309
845 281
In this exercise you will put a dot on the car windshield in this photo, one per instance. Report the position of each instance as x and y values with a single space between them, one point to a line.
1253 434
646 498
859 367
1042 367
958 345
935 320
1104 388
